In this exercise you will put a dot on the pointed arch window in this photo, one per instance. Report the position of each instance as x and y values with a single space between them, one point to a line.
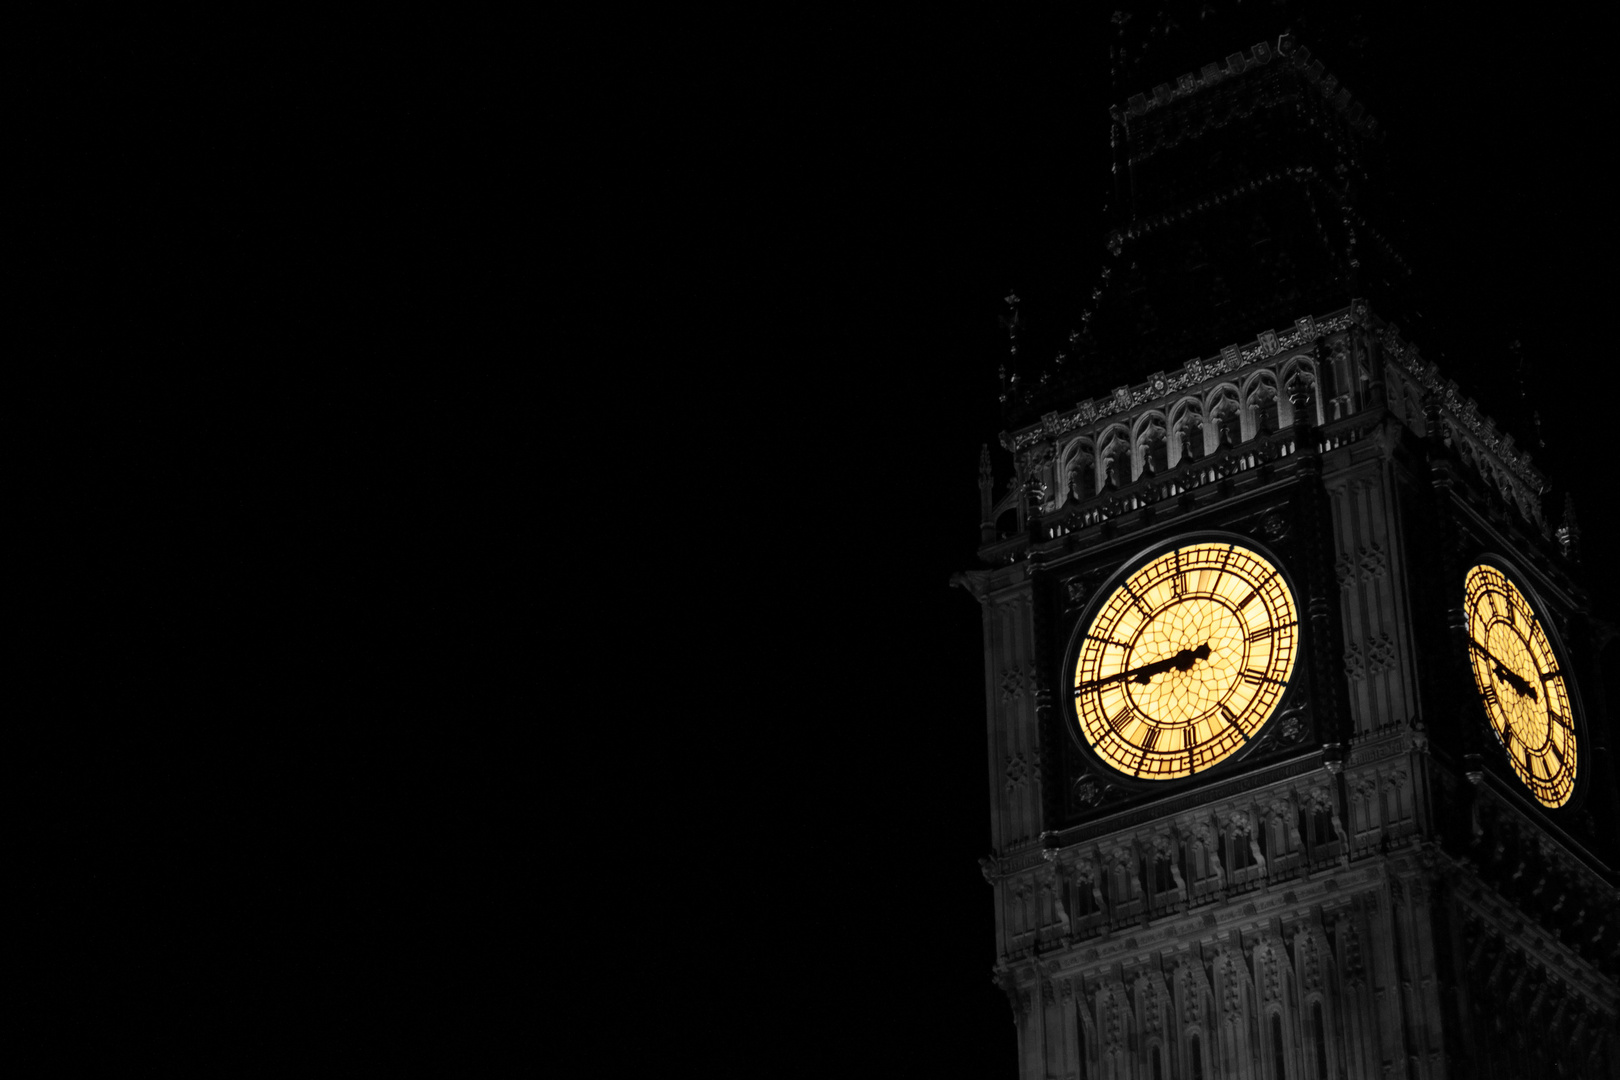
1228 420
1116 459
1190 435
1077 472
1152 447
1302 395
1263 407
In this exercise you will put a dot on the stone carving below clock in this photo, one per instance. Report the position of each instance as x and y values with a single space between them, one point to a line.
1091 791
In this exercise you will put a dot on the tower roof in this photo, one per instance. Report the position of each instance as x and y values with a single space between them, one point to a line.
1247 194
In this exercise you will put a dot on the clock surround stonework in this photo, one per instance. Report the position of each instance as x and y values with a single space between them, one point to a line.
1369 890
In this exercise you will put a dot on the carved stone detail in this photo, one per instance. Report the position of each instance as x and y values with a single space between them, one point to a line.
1020 770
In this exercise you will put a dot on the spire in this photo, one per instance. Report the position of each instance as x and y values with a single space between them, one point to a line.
987 496
1249 193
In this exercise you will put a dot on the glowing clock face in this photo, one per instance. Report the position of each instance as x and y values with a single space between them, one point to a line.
1185 661
1522 685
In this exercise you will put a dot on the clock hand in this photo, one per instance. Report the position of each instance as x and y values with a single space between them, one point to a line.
1181 661
1506 674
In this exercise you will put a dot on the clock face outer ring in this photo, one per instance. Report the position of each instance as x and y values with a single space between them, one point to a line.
1480 677
1089 617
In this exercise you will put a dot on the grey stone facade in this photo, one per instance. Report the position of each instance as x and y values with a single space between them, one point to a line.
1368 892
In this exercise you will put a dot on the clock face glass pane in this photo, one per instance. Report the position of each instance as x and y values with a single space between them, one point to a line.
1521 684
1185 661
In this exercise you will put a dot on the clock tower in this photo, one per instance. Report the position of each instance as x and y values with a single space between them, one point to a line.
1297 752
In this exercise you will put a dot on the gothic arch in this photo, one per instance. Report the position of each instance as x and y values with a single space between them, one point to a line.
1193 1010
1077 471
1223 412
1301 380
1116 1027
1262 404
1314 974
1114 457
1086 1031
1149 444
1187 431
1278 1002
1234 997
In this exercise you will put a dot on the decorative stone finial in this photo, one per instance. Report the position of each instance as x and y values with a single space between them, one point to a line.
1569 531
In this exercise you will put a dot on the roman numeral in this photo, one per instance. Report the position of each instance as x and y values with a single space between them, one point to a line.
1119 719
1247 599
1561 721
1556 754
1263 632
1258 677
1489 695
1551 675
1152 740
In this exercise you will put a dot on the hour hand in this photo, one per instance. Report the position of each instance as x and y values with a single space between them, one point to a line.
1506 674
1513 680
1182 661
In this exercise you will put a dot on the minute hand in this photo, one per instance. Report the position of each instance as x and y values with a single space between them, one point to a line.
1508 675
1181 661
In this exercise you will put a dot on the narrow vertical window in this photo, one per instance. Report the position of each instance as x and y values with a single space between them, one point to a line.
1080 1030
1318 1029
1277 1047
1158 1073
1197 1055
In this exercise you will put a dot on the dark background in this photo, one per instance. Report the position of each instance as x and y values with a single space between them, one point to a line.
500 482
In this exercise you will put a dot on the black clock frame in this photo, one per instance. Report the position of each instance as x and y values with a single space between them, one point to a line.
1497 761
1287 702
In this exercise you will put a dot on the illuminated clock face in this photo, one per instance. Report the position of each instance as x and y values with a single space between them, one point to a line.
1522 684
1185 661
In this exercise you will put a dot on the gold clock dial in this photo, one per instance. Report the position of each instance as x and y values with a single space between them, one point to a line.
1185 661
1522 685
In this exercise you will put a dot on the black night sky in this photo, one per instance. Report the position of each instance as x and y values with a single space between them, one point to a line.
509 497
